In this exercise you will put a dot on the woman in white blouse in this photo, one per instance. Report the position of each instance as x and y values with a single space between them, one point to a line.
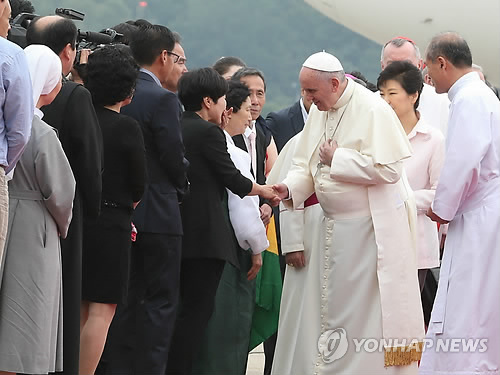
400 85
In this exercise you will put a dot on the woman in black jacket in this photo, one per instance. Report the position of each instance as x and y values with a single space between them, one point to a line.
111 76
207 242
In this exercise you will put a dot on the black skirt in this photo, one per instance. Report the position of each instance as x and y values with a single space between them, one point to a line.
106 256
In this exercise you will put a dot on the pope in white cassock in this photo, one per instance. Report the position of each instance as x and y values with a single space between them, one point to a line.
351 155
464 331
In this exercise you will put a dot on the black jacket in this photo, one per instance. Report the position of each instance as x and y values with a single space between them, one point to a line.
72 114
206 229
157 111
285 124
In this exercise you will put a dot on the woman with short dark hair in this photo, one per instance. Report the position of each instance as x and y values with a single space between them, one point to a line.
227 66
400 85
230 326
207 242
111 76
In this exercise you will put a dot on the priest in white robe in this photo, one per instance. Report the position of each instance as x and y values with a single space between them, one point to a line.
300 318
351 155
464 331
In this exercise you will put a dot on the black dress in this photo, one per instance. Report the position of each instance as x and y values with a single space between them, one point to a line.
107 240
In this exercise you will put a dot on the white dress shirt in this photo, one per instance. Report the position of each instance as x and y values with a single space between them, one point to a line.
252 151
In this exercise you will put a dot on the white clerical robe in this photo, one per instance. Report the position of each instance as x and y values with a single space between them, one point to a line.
300 315
244 213
467 305
423 169
434 108
370 287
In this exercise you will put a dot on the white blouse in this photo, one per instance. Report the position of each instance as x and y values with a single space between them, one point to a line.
423 169
244 213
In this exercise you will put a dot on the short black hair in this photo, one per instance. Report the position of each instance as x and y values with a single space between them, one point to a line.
127 30
20 6
224 63
149 42
111 75
55 35
198 84
142 22
177 37
408 76
452 47
360 76
236 94
247 72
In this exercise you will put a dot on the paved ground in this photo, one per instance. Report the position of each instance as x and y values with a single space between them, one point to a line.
256 361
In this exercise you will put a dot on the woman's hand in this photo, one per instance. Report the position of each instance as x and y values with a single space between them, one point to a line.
256 265
224 119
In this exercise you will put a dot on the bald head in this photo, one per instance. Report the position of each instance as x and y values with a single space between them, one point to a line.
400 49
57 33
452 47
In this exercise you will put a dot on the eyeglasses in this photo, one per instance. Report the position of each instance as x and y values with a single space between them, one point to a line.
177 59
176 56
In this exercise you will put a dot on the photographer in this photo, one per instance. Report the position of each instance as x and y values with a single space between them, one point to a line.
73 115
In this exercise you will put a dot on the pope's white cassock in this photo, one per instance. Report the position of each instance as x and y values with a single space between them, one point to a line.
467 306
369 287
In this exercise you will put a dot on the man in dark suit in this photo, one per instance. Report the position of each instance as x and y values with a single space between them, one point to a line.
142 330
288 122
263 152
73 115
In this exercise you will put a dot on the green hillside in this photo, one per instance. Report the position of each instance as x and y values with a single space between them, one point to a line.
275 36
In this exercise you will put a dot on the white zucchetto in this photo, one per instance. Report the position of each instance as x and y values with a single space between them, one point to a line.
324 62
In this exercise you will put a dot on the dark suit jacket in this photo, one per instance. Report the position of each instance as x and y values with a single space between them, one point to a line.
285 124
157 111
206 229
73 115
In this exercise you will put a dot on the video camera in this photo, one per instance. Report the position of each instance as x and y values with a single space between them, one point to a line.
85 39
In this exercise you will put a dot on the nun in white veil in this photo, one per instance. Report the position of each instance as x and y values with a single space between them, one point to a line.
40 209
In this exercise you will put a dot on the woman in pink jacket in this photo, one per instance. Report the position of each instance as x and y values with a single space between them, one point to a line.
400 85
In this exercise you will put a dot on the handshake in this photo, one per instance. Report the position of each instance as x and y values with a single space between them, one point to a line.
273 193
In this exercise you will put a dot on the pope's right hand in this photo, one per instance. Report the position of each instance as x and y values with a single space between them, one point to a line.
268 192
281 191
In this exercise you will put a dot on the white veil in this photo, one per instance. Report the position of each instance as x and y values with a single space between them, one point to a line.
45 69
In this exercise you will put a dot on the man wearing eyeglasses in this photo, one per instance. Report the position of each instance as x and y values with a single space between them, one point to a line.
179 65
141 332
